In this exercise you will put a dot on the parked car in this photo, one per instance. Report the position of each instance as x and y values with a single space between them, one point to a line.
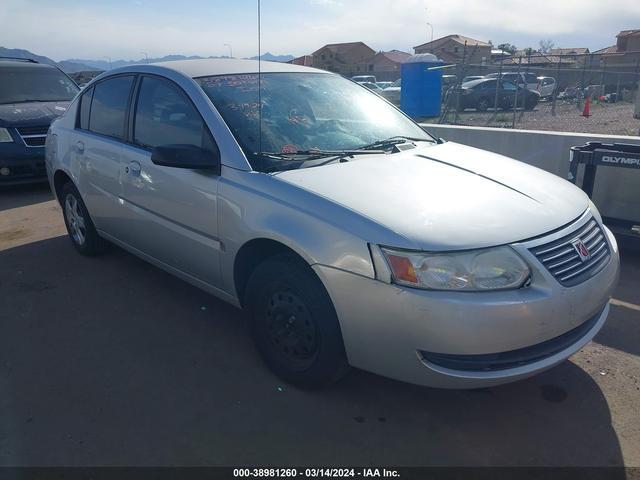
31 96
523 79
546 86
470 78
374 87
481 95
448 81
569 93
364 78
384 85
392 93
349 234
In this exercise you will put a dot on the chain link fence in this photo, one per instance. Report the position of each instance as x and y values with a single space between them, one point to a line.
591 93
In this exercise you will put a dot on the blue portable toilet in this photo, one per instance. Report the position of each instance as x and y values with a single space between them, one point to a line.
421 87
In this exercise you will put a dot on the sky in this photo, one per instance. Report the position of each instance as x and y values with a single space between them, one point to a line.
127 29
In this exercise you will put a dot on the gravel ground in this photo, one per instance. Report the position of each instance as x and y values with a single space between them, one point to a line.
607 118
110 361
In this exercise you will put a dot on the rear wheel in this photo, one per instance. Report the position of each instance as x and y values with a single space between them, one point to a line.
294 324
79 225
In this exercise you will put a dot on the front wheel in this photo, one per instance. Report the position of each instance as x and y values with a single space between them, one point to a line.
530 104
294 324
483 104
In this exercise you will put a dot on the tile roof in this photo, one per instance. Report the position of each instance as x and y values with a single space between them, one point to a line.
461 39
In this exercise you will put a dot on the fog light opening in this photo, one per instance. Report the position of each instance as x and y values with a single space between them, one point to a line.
5 171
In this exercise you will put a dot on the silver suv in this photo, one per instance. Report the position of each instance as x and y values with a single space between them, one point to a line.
349 234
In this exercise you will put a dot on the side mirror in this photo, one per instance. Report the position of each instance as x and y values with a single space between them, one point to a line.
186 156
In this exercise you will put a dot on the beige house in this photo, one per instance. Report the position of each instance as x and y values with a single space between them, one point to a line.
624 56
342 58
456 48
304 60
384 65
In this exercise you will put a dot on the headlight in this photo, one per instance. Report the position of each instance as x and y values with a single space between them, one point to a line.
595 212
5 136
497 268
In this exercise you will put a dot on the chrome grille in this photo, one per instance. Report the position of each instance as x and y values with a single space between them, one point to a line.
33 136
563 261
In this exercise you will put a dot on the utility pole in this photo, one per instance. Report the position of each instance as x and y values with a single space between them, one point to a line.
428 24
145 56
230 50
108 58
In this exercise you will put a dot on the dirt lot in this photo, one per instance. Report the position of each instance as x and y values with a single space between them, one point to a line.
110 361
606 118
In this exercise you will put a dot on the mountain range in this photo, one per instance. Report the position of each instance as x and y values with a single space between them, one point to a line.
68 66
78 65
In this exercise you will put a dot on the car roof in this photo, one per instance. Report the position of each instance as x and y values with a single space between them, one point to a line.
229 66
18 63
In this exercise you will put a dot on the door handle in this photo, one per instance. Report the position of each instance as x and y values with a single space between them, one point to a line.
80 147
133 168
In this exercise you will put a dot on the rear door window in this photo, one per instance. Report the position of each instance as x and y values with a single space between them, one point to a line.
109 106
486 85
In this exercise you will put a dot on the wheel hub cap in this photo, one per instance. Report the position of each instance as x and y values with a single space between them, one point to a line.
75 219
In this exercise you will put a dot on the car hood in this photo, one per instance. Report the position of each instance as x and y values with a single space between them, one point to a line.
448 196
33 113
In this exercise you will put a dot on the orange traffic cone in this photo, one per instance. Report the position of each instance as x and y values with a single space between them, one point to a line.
587 108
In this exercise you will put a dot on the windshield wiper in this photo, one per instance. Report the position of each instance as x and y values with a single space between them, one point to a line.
310 155
316 153
392 141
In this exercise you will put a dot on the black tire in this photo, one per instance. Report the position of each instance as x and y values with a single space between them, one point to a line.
506 103
80 228
483 104
294 324
530 104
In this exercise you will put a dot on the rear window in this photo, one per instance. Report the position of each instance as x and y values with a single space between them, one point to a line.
531 78
35 84
109 106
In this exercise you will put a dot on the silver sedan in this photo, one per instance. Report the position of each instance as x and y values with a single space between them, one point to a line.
349 235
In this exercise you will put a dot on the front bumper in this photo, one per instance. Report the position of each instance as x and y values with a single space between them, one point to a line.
387 329
24 164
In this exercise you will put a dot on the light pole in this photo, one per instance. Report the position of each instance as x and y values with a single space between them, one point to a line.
431 27
145 56
108 58
230 50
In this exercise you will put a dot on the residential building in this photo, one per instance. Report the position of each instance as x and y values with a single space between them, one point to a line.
623 57
498 55
574 53
304 60
458 48
342 58
384 65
